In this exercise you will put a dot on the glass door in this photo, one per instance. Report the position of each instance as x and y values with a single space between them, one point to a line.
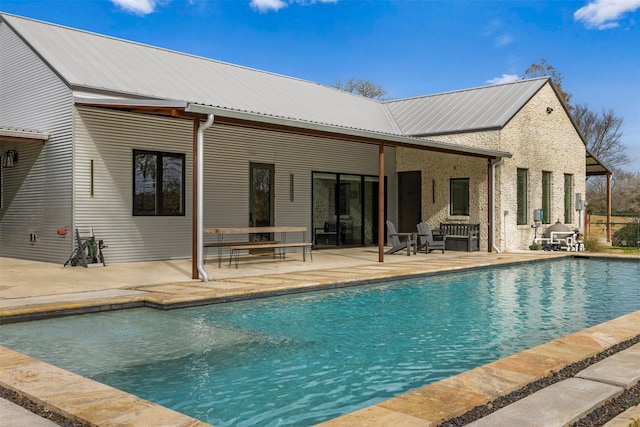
325 231
345 210
261 212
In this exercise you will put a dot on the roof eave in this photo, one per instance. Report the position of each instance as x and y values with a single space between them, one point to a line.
375 137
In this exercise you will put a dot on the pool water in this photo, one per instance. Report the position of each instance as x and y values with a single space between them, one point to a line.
305 358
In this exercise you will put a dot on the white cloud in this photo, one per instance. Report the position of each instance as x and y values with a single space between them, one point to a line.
504 40
264 6
603 14
267 5
139 7
505 78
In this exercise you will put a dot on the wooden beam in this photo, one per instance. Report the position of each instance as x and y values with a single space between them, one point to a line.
608 207
381 202
490 218
229 121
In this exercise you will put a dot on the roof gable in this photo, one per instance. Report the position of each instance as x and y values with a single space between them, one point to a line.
96 63
483 108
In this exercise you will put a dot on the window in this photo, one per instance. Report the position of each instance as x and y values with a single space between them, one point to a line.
521 216
459 196
568 198
546 197
158 183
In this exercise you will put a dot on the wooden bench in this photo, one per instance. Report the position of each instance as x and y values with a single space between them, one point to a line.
208 245
461 236
236 249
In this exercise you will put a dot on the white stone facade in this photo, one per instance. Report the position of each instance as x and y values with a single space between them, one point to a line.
541 138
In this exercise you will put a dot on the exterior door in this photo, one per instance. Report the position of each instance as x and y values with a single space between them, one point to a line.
261 197
410 203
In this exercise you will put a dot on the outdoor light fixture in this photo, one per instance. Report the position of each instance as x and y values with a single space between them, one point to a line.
549 110
9 159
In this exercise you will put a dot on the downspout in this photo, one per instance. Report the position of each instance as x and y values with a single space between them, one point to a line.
493 203
200 195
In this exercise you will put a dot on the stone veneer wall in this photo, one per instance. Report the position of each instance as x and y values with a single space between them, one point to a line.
538 141
437 170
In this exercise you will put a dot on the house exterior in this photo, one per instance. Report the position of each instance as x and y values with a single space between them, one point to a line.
121 137
528 119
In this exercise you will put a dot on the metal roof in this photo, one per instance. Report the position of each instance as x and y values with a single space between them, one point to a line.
595 166
16 134
483 108
96 63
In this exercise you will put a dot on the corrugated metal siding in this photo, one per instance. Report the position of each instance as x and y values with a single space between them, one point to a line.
37 194
108 137
488 107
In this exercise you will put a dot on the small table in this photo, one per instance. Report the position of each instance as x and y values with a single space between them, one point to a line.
222 231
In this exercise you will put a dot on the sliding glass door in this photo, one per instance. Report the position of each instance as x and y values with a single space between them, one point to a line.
345 209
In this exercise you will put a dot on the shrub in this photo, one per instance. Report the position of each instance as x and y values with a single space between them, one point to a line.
627 236
593 244
535 246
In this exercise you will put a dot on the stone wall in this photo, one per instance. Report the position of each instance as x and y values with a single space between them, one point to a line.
437 169
538 141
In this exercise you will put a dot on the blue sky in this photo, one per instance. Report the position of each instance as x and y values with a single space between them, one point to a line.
409 47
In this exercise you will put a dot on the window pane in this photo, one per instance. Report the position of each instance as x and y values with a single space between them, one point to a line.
546 197
522 196
172 173
144 182
459 196
568 198
158 183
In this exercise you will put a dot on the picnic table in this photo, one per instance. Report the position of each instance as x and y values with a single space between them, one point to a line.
235 247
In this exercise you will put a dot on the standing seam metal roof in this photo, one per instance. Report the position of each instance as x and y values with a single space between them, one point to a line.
93 63
488 107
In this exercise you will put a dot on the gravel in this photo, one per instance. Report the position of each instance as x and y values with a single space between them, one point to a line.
597 417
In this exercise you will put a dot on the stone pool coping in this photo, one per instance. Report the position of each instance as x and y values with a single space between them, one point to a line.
82 399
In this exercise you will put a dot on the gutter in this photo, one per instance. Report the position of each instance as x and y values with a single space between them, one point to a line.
200 195
493 203
376 137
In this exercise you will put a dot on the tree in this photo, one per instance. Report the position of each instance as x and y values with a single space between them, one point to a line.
602 134
543 69
362 87
625 194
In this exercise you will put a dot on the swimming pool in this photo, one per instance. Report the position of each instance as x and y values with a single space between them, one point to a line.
304 358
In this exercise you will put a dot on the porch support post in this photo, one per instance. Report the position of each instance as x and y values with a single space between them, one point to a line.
381 203
194 203
609 207
489 205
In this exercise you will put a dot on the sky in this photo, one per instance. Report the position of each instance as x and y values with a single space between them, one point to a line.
409 47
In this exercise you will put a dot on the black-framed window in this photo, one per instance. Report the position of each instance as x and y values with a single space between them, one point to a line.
546 197
522 196
158 183
459 196
568 198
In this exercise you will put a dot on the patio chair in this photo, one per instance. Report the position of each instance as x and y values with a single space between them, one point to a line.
399 241
428 240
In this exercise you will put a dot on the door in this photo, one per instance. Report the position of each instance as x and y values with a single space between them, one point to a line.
410 203
345 209
261 197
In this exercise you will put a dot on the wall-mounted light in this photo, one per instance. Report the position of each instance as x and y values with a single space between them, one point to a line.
9 159
549 110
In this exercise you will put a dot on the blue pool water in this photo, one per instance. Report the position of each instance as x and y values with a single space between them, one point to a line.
301 359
